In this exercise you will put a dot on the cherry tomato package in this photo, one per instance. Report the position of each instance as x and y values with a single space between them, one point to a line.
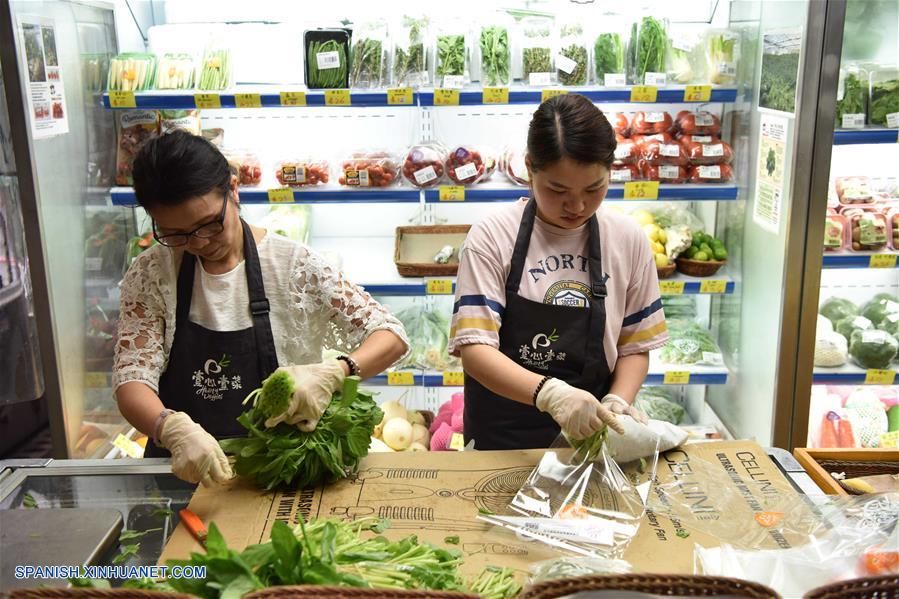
624 173
663 173
626 152
648 122
423 166
369 169
465 165
511 162
245 165
700 122
836 233
717 173
300 173
655 153
717 152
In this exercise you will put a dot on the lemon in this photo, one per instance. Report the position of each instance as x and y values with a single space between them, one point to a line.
643 217
658 248
652 232
661 260
663 237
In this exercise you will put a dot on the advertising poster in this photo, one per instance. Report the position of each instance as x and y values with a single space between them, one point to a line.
46 96
769 190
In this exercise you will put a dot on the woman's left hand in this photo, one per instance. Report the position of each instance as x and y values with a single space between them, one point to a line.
617 405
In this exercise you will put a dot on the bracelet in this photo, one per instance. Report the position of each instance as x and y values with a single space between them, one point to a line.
539 387
354 368
157 426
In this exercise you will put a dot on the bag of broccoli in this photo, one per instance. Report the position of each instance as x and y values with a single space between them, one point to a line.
880 307
873 349
836 309
851 324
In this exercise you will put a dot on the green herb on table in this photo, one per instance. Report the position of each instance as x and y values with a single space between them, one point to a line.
130 535
884 100
450 55
28 501
454 540
127 551
589 449
495 583
608 54
650 48
495 57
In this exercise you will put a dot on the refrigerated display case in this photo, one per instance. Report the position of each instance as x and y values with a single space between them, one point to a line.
732 375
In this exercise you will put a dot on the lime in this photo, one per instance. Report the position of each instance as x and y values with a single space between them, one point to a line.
720 254
701 256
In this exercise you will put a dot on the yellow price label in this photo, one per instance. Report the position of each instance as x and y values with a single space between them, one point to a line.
95 380
457 442
716 286
883 261
122 100
672 287
128 447
496 95
880 377
439 286
453 379
451 193
400 379
208 100
293 98
280 195
446 97
644 93
698 93
401 96
677 377
889 440
641 190
248 100
337 97
551 93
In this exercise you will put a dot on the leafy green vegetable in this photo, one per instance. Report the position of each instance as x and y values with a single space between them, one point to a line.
587 450
369 63
884 100
284 455
536 60
836 309
855 98
329 78
679 66
851 324
410 61
127 551
650 50
495 583
428 330
536 53
880 307
578 76
451 540
28 501
721 57
275 394
658 403
687 343
496 58
873 349
608 55
130 535
450 55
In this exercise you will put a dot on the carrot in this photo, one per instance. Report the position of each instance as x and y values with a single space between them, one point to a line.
845 435
828 434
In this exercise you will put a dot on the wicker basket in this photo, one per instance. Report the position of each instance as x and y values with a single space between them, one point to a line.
94 594
662 584
819 463
420 264
666 271
878 587
699 268
317 592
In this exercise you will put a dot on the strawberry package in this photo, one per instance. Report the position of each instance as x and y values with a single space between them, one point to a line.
369 169
135 128
424 165
245 165
300 173
466 165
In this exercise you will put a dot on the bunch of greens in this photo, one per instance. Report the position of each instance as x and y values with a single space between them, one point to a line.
855 98
496 57
884 100
369 63
687 343
679 65
573 49
836 309
450 55
428 331
721 57
284 455
589 449
649 56
659 404
332 78
536 54
873 349
608 55
410 61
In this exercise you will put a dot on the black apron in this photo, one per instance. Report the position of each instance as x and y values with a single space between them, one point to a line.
565 342
210 373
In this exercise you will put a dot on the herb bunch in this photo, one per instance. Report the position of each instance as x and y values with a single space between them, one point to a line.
496 57
450 55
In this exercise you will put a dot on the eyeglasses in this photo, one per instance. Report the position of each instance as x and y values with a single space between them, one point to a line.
203 231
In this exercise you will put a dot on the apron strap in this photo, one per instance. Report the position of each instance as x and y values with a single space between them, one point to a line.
522 243
185 287
597 279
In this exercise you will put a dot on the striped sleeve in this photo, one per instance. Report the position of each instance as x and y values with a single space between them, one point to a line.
644 327
478 308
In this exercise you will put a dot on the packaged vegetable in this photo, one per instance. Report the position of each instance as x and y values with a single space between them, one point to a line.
682 65
687 139
717 152
131 72
688 343
327 58
186 120
620 123
869 232
665 173
663 137
411 62
831 350
369 169
572 59
289 220
626 152
369 55
881 307
175 71
135 127
512 163
660 404
245 165
885 188
852 98
215 73
873 349
722 52
300 173
537 47
428 330
718 173
893 219
851 324
700 122
853 190
648 55
649 122
424 165
884 109
451 55
624 173
836 309
836 229
465 165
495 55
656 153
609 52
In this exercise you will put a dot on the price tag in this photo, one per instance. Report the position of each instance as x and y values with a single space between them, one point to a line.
677 377
713 287
128 447
496 95
883 261
644 93
551 93
889 440
880 377
95 380
122 100
400 96
439 286
446 97
337 97
641 190
281 195
208 100
247 101
293 98
451 193
698 93
400 379
457 442
672 287
453 379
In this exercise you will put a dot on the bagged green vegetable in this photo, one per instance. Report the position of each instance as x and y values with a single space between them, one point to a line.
327 58
885 100
722 54
451 56
852 98
659 404
688 343
428 331
215 73
131 71
410 55
873 349
495 54
649 52
609 52
369 56
537 46
880 307
572 66
836 309
851 324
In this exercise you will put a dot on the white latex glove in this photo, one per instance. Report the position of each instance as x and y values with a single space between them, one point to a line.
314 384
619 406
196 455
578 412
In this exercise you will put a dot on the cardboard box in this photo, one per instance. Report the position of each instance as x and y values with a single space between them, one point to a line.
435 495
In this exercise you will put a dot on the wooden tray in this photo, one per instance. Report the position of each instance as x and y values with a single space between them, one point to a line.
416 246
819 463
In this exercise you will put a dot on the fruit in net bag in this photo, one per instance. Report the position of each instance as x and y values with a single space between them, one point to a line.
423 166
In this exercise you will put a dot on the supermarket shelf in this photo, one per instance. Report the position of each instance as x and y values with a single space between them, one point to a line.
849 260
124 196
686 193
845 137
850 374
521 95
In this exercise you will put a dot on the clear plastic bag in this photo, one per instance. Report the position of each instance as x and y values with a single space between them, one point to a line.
369 169
722 52
424 164
131 71
573 57
451 55
467 165
609 52
512 164
175 71
411 56
302 172
215 70
245 165
537 47
568 567
495 53
369 56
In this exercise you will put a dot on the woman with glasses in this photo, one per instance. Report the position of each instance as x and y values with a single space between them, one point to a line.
213 309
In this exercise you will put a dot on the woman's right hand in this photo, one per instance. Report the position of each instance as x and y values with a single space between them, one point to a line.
578 412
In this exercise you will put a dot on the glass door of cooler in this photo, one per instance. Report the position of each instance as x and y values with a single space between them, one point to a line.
846 389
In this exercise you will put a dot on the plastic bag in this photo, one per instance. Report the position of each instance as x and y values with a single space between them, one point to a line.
369 55
657 153
688 343
659 404
831 349
186 120
700 122
718 173
572 59
465 165
428 331
131 71
651 121
302 172
410 53
424 165
215 71
568 567
512 164
135 128
175 71
369 169
495 54
537 47
451 55
245 165
722 51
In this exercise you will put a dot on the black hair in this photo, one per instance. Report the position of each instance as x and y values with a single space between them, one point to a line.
176 167
570 126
